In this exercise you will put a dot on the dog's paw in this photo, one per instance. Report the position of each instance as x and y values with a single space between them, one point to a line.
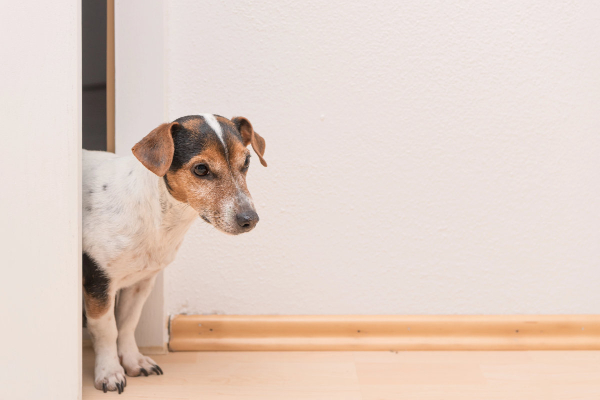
137 364
110 379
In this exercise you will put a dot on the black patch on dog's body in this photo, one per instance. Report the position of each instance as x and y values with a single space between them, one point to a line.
187 142
95 281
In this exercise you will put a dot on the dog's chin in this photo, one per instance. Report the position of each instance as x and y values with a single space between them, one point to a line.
225 229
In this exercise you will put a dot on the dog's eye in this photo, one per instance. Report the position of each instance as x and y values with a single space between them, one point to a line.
201 170
246 163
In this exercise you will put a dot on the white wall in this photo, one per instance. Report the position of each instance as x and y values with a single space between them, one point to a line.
139 108
40 235
424 157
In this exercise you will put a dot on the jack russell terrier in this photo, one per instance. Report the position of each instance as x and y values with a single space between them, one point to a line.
136 211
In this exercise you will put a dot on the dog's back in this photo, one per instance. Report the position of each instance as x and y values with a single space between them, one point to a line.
111 188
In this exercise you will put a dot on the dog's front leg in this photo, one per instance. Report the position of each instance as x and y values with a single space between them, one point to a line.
129 309
99 308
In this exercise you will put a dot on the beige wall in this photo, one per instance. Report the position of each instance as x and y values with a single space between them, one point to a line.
424 157
40 209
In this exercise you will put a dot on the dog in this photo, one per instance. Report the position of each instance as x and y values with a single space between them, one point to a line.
136 211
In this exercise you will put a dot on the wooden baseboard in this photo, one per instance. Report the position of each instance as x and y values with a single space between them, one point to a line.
329 333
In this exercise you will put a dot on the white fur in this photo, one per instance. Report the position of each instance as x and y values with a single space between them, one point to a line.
214 124
132 228
124 227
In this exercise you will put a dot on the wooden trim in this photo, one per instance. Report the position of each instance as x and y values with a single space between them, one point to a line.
327 333
110 75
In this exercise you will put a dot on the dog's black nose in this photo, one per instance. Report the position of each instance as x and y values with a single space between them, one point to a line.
247 219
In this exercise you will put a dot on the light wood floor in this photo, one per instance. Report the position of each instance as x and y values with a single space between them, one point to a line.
540 375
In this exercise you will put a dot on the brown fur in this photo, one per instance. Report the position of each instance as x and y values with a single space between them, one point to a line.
192 124
95 307
156 149
249 136
206 195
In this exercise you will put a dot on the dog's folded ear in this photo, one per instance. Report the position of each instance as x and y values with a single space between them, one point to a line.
156 149
249 136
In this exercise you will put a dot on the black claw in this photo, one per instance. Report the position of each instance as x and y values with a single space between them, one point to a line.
104 387
119 388
125 381
143 371
159 369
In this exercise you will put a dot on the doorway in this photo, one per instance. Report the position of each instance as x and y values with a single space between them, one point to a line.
97 25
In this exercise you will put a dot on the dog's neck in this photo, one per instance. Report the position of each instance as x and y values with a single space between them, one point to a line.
175 215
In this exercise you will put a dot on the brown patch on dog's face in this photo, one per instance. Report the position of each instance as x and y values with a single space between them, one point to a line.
192 124
209 173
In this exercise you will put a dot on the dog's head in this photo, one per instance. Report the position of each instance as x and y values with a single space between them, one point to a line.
203 160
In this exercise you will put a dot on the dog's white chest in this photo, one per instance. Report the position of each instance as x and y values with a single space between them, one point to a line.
156 246
132 227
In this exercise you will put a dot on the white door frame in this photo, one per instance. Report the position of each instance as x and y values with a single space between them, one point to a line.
40 200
